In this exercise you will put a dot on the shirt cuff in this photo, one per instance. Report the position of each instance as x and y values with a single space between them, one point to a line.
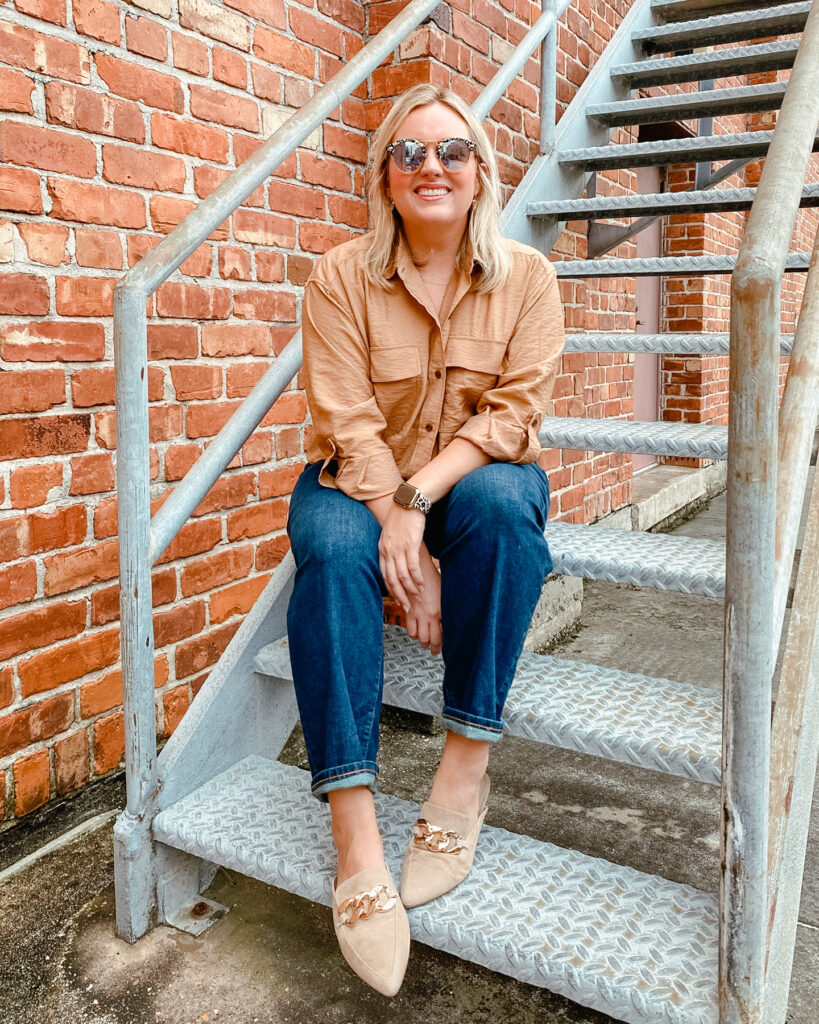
503 441
362 477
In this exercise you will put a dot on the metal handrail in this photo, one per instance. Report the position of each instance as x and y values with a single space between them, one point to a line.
750 548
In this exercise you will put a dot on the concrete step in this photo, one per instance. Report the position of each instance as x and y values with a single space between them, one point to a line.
665 266
659 204
664 726
680 10
681 440
777 20
699 148
685 344
631 945
710 103
694 67
685 564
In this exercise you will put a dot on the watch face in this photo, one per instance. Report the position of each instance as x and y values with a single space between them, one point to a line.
405 493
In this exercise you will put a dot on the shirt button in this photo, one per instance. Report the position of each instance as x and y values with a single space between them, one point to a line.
429 426
437 373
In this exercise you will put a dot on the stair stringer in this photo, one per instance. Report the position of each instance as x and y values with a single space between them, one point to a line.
547 177
236 713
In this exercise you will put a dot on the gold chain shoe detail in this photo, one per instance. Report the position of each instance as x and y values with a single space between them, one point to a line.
365 904
436 839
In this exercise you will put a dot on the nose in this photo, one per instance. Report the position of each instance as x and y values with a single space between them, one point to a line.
432 155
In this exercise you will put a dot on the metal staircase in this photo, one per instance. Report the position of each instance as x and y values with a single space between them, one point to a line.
638 947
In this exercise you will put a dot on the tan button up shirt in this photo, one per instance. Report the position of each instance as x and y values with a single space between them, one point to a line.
390 382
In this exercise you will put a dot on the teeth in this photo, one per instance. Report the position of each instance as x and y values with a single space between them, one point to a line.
432 191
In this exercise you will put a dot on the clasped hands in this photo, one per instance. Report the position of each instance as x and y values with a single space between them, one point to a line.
410 574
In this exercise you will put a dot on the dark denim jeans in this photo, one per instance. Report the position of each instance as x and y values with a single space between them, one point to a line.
487 533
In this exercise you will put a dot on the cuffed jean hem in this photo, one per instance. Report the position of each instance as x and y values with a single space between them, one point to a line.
361 774
471 726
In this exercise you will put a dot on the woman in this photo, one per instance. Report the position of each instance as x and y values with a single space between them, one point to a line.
430 347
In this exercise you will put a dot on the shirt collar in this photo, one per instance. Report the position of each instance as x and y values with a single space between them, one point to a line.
401 259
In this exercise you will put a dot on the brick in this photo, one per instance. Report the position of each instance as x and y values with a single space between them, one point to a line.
199 263
345 12
43 52
30 485
298 269
175 703
59 529
269 266
15 91
193 539
31 390
274 483
215 22
71 570
288 444
256 520
45 243
35 437
237 599
207 179
179 459
178 623
96 386
60 340
145 37
204 651
134 82
97 19
6 242
234 263
41 627
278 49
91 474
186 137
18 583
86 111
173 341
242 377
109 742
105 602
227 492
6 687
214 571
96 204
264 304
298 200
191 301
69 661
160 7
20 191
270 12
235 340
45 10
270 552
47 149
50 716
31 785
316 32
263 228
99 249
392 81
224 108
196 382
71 762
325 171
208 418
291 407
321 237
23 293
267 84
229 68
190 54
14 731
348 211
122 165
346 144
85 296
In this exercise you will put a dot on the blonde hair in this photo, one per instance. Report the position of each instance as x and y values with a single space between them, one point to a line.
483 226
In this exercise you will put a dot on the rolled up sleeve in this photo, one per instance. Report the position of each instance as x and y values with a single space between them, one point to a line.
347 423
508 416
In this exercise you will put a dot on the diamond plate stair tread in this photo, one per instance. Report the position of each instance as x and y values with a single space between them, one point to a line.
711 103
657 204
782 19
687 344
664 726
635 946
685 564
678 10
682 440
693 67
665 266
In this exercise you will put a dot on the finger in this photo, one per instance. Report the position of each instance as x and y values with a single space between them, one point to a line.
412 626
435 636
404 575
395 588
414 566
423 632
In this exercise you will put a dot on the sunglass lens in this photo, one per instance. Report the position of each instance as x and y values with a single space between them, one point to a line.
455 154
408 155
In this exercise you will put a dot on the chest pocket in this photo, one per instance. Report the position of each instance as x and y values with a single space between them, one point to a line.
395 373
473 365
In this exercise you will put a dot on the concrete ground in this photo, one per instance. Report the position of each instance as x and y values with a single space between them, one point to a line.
273 957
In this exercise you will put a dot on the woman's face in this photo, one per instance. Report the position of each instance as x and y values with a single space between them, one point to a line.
432 197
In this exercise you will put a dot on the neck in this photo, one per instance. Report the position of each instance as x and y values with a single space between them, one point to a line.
436 246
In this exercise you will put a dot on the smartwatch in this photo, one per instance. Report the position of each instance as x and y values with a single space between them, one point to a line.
410 497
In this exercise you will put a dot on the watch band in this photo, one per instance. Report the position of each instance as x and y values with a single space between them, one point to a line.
408 496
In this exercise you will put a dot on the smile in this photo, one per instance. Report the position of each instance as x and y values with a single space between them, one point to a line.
432 192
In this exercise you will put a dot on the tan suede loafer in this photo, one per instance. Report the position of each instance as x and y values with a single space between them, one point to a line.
441 851
372 928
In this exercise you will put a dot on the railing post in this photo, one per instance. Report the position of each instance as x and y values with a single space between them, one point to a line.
548 82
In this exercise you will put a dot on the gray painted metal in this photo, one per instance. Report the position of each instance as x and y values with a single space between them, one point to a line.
669 151
682 440
725 28
693 67
682 107
685 564
679 10
668 266
635 719
658 204
751 547
175 512
548 84
634 946
688 344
